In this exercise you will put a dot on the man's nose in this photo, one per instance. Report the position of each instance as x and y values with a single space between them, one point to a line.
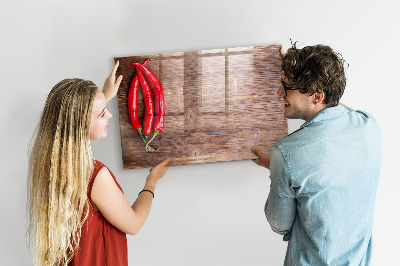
280 91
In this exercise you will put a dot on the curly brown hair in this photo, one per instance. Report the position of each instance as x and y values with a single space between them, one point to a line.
316 69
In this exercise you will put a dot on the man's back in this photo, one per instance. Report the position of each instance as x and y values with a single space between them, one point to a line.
330 174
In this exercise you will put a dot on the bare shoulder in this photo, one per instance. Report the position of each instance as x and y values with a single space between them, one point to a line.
103 185
111 202
103 175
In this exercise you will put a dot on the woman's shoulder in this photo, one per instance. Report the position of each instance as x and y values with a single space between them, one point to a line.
102 170
97 167
98 164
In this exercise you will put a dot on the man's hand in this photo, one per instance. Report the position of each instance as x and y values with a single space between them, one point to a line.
263 159
111 86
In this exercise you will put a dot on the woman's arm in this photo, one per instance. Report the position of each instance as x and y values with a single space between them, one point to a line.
114 206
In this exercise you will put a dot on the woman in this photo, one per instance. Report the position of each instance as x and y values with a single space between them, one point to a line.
78 212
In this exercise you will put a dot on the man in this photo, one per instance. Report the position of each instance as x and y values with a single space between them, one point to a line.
323 176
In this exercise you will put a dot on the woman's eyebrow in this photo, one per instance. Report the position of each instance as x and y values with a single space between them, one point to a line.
101 112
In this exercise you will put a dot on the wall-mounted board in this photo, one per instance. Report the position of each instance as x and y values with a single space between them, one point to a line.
219 104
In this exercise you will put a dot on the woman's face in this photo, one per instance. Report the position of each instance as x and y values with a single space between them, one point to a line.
100 116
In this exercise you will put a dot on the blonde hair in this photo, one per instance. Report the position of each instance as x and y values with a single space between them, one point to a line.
60 167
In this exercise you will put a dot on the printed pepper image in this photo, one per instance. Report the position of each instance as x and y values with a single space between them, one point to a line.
132 103
153 118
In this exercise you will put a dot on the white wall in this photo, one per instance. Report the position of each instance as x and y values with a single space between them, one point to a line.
208 214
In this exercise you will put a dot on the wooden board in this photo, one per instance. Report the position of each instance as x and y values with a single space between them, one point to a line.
219 104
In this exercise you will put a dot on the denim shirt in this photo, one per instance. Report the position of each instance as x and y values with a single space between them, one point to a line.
324 178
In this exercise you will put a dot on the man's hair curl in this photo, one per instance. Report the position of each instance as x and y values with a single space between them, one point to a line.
316 69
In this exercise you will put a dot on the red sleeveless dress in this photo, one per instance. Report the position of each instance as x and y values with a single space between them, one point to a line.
101 243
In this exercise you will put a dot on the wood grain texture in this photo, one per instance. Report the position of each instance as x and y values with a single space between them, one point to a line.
219 104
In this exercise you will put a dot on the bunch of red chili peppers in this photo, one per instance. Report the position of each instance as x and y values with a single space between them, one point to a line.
153 121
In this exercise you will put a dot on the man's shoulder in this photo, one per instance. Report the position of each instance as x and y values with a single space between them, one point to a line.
293 141
311 132
367 117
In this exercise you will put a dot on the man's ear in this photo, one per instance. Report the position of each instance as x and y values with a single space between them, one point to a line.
318 97
282 52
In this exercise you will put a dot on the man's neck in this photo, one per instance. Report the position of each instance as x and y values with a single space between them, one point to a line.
318 108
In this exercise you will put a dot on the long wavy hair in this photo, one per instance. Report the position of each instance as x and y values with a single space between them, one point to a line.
60 167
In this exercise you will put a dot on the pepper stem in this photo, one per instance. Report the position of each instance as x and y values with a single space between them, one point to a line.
147 147
145 139
155 133
139 130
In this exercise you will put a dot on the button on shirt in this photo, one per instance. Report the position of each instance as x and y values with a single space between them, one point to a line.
323 183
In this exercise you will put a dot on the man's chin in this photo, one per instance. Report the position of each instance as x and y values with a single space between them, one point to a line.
288 115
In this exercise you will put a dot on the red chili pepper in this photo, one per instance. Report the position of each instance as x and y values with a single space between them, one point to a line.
158 98
148 104
132 103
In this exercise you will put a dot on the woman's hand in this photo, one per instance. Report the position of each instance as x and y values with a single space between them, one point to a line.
263 158
111 85
158 171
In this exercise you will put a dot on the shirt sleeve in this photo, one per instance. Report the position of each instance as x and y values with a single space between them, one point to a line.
281 210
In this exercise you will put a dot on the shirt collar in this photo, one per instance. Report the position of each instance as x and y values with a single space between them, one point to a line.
326 114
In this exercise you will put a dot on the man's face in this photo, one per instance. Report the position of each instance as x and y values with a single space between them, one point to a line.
297 104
